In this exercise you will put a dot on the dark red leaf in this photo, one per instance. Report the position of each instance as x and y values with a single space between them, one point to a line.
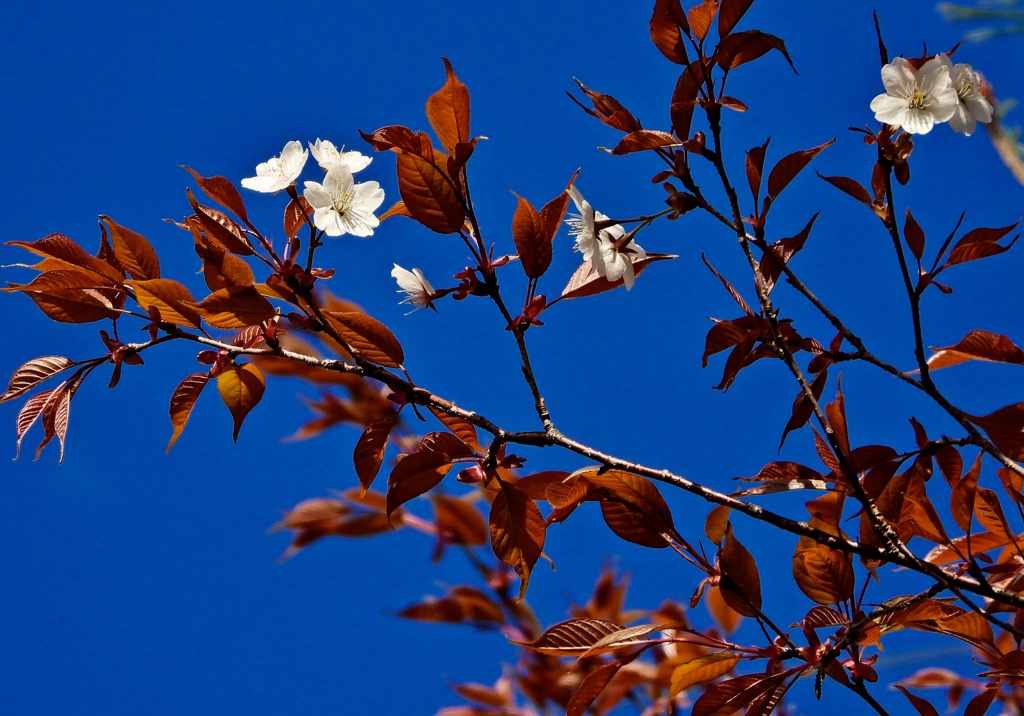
668 27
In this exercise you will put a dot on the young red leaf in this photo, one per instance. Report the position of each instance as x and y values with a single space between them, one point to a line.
420 471
730 13
824 575
633 508
397 209
728 286
173 300
780 252
72 296
458 521
448 111
554 211
609 110
923 707
28 415
961 499
700 17
990 513
742 47
369 336
222 191
220 229
977 345
914 236
1006 428
235 307
59 248
851 187
668 27
730 696
224 270
594 683
980 243
241 387
429 195
531 238
370 448
56 413
133 251
517 531
755 168
741 582
791 165
460 427
684 96
31 374
311 520
183 399
701 669
462 605
572 637
643 140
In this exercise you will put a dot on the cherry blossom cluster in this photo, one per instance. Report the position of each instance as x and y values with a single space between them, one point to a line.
340 205
603 243
920 93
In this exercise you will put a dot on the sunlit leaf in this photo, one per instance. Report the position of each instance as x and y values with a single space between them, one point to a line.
60 248
517 531
429 195
572 637
448 111
31 374
133 251
700 18
241 388
790 165
643 140
730 13
222 191
370 448
1006 429
702 669
824 575
741 582
420 471
977 345
235 307
594 683
172 299
182 401
369 336
742 47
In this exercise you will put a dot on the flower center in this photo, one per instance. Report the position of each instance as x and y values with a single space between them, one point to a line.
918 100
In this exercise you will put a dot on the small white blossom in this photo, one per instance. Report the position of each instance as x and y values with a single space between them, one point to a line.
341 206
598 246
327 155
972 106
417 289
915 99
278 172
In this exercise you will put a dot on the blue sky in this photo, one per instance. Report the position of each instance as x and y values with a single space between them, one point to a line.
136 581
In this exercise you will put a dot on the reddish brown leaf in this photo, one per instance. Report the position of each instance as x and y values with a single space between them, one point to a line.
463 605
825 618
56 413
914 235
370 448
173 300
730 13
954 552
458 521
448 111
587 282
554 211
609 110
979 705
222 269
824 575
702 669
69 255
643 140
791 165
1006 429
668 26
235 307
31 374
401 139
531 238
742 47
183 399
728 697
594 683
977 345
780 252
572 637
369 336
420 471
133 251
923 707
716 523
741 582
462 428
802 407
961 499
684 96
241 387
299 214
535 485
219 228
980 243
990 513
428 195
72 296
29 413
700 17
222 191
633 508
755 168
311 520
851 187
517 531
397 209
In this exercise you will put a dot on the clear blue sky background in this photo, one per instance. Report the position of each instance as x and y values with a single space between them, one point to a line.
135 582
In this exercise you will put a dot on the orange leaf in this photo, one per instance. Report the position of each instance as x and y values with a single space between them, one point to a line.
222 191
730 13
668 25
571 637
1006 428
429 195
60 248
740 583
220 229
369 452
369 336
977 345
462 428
31 374
448 111
823 574
742 47
531 238
643 140
701 669
235 307
72 296
174 301
790 165
700 17
241 388
133 251
422 470
517 531
182 401
961 499
458 521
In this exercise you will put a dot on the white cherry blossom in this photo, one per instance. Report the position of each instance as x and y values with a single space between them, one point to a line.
417 289
915 99
598 246
972 106
341 206
327 155
278 172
